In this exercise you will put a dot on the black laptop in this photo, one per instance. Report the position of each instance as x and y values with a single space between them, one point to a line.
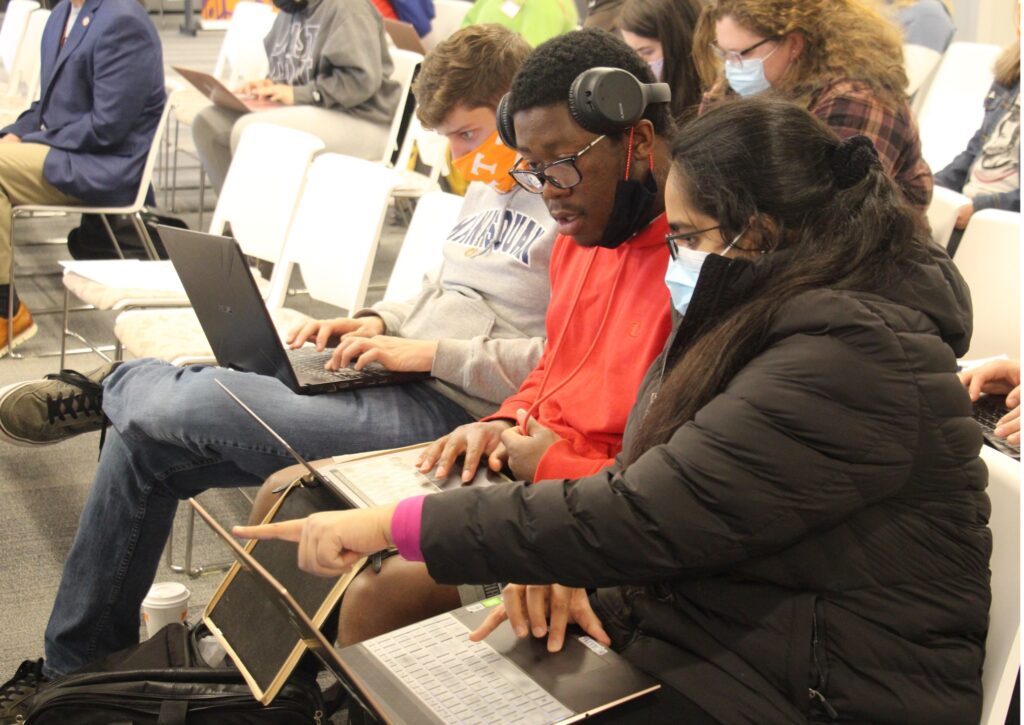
988 410
232 313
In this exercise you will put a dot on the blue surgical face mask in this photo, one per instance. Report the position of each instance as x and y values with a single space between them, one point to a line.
682 275
657 68
748 79
684 271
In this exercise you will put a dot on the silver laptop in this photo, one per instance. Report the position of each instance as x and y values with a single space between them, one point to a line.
374 479
430 672
234 317
221 95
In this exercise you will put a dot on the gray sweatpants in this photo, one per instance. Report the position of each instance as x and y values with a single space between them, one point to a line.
216 132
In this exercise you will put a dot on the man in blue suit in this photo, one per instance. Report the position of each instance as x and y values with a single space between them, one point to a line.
86 139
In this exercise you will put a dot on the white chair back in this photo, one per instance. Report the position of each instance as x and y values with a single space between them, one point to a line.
1002 646
261 191
942 213
151 157
422 249
23 81
335 249
954 107
242 54
406 62
448 15
989 260
431 150
920 62
13 30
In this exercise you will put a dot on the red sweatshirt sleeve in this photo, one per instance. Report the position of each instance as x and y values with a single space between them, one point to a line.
561 461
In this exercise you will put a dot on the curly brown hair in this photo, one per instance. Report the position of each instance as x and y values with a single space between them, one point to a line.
846 39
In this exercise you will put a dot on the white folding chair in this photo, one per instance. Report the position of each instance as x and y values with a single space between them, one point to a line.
422 248
406 62
23 82
989 260
242 57
26 211
942 213
261 191
13 30
1002 646
920 62
448 15
336 259
953 109
431 151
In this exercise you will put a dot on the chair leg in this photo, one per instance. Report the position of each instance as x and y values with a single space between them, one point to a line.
174 165
110 233
202 195
10 299
64 328
147 240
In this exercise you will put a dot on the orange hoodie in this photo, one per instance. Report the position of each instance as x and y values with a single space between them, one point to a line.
607 320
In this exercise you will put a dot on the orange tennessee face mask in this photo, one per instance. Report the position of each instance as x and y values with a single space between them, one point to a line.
489 162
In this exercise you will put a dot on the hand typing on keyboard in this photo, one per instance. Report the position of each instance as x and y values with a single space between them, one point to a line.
330 332
394 353
998 377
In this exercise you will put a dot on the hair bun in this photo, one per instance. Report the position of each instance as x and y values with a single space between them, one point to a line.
852 159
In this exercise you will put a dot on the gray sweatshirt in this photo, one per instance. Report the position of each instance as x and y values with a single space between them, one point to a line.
486 304
336 47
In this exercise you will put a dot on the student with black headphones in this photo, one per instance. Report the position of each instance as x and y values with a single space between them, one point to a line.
591 129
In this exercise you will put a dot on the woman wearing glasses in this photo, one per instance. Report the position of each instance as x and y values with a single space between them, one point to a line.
839 59
796 529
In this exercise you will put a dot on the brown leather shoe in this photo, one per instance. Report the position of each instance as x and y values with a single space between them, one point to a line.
24 328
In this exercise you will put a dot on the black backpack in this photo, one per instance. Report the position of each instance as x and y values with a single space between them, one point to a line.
164 681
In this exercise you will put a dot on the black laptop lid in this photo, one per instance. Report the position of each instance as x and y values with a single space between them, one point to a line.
229 306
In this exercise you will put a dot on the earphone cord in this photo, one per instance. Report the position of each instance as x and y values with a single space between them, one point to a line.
541 395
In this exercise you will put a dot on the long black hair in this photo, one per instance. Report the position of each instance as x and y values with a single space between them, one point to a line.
768 168
671 23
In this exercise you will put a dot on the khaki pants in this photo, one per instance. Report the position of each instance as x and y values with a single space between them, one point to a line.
22 182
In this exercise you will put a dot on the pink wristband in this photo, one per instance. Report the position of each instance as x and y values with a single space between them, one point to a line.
406 523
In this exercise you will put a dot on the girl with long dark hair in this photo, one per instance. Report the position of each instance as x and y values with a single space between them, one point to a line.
797 527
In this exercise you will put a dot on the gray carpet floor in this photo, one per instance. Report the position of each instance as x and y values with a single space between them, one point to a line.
42 489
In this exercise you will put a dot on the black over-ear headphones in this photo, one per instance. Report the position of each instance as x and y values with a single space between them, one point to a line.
601 100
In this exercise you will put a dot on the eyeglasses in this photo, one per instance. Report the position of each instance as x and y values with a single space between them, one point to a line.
735 58
687 238
561 174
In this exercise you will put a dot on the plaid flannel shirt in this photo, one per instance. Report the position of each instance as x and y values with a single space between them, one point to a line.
850 108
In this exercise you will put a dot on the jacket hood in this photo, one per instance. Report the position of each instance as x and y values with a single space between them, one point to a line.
935 288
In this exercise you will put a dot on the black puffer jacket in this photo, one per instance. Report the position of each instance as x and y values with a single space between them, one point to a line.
813 545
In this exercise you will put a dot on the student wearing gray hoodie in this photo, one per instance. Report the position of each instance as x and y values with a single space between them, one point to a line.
331 72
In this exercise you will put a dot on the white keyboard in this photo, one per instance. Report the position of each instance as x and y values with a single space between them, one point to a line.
462 681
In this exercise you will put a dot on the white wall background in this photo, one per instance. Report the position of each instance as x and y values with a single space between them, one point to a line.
985 21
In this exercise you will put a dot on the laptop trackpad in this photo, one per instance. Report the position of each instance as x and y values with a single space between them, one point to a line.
531 654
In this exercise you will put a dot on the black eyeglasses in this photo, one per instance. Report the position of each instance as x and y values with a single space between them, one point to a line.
688 238
561 174
735 58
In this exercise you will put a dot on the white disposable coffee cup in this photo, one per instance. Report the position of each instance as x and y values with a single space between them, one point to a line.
166 603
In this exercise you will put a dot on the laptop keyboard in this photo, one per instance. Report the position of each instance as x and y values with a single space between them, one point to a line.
987 411
462 681
307 362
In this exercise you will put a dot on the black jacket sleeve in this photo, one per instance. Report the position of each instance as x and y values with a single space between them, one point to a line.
820 425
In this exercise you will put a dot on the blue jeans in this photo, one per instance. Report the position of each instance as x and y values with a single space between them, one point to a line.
174 434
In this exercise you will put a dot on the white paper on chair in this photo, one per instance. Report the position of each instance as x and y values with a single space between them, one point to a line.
128 273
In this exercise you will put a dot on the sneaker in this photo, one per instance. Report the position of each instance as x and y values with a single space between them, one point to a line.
15 693
24 328
58 407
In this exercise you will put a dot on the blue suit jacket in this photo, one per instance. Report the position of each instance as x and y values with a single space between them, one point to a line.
102 96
